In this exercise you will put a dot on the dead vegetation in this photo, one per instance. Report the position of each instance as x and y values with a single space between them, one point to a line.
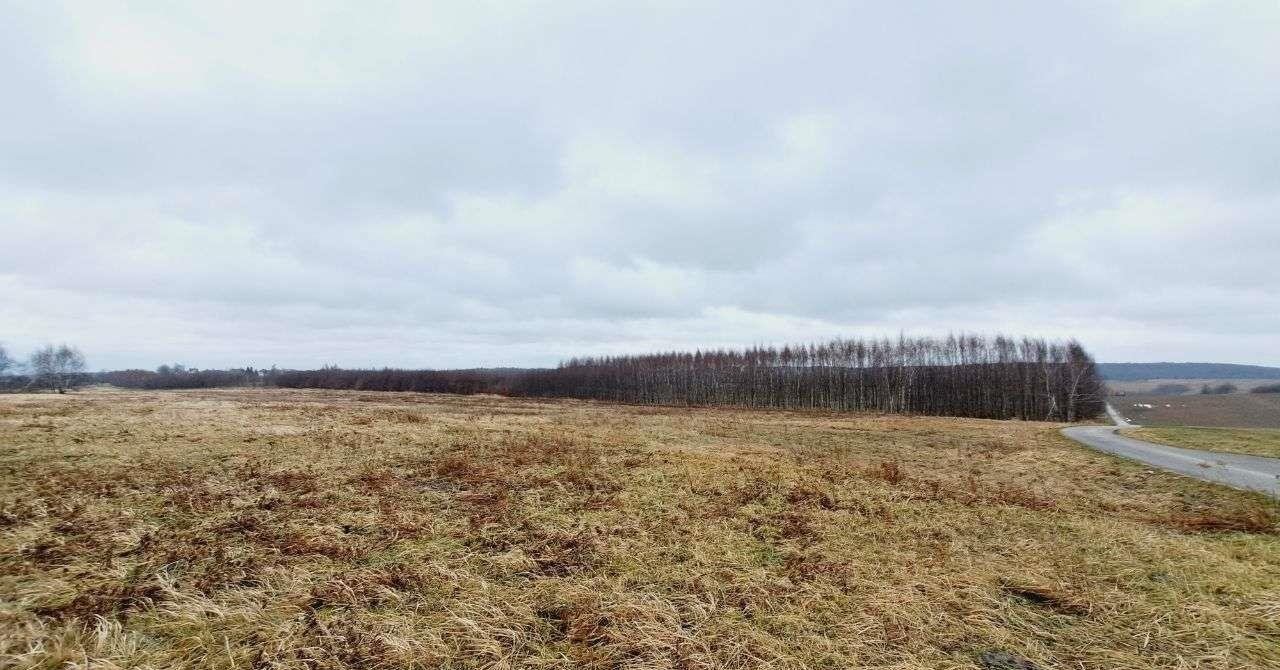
288 529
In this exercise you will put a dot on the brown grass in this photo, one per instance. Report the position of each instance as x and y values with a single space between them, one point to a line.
283 529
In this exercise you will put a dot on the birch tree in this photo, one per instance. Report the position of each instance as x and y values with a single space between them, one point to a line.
56 368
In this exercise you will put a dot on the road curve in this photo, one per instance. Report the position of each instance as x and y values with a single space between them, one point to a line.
1253 473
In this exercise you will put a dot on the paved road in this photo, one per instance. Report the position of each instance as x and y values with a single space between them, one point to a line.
1254 473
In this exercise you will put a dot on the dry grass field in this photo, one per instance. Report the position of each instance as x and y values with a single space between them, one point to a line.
1253 441
1235 410
291 529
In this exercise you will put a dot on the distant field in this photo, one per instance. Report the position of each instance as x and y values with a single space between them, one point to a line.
322 529
1253 441
1146 386
1237 410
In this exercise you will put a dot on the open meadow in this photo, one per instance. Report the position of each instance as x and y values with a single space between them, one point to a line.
278 528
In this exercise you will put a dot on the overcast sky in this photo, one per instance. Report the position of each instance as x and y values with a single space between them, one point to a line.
500 183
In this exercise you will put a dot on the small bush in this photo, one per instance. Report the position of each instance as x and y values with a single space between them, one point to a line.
1267 388
1220 389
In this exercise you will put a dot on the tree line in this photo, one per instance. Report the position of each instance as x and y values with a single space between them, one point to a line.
967 376
501 381
63 368
178 376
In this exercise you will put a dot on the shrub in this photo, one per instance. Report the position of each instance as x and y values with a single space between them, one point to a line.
1220 389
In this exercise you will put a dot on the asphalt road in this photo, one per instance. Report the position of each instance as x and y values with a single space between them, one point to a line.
1254 473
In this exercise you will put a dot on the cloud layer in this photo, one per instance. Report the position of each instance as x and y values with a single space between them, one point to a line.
505 183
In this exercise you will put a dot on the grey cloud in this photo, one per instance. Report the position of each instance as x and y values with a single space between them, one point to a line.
508 184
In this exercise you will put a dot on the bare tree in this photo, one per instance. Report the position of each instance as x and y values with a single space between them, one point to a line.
5 361
57 368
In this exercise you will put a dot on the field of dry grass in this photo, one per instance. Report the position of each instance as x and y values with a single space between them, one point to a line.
1235 410
1253 441
293 529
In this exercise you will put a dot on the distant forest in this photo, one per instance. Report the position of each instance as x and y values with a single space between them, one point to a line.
502 381
997 378
1127 372
965 376
179 377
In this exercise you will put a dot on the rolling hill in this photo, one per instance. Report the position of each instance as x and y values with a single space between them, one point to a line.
1137 371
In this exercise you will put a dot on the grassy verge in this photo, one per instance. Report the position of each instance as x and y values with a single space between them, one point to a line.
1253 441
310 529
